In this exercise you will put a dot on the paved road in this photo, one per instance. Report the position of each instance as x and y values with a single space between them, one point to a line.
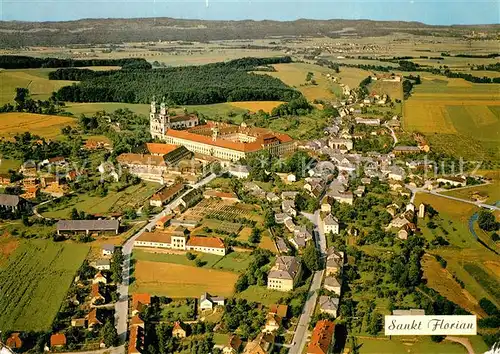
393 134
301 332
121 306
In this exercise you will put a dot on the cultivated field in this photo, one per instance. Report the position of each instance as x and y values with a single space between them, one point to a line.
176 280
114 202
36 80
46 126
458 117
393 89
34 281
254 106
490 191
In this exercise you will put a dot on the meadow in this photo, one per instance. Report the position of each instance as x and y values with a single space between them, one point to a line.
458 117
34 281
36 80
129 198
261 294
177 280
490 191
47 126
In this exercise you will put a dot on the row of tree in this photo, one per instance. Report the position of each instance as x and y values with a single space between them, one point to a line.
26 62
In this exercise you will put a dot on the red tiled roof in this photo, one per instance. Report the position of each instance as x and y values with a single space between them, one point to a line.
280 310
58 339
164 219
142 298
135 340
210 242
167 192
261 140
14 342
94 292
321 338
92 317
161 237
157 148
136 321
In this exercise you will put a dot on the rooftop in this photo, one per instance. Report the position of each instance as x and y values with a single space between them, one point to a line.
84 225
321 338
160 149
211 242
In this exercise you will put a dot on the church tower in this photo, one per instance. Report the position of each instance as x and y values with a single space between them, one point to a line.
156 127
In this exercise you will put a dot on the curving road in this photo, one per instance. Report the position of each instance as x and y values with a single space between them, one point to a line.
121 306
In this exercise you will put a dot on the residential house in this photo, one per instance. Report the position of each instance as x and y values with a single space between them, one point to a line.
280 218
360 191
453 181
399 222
4 179
233 345
326 206
166 194
322 338
329 305
30 193
102 264
209 302
14 341
301 235
333 284
410 312
162 222
263 344
136 340
403 234
136 321
288 207
96 298
280 310
331 224
139 302
78 322
366 180
396 173
343 145
289 195
367 121
289 224
342 197
99 278
57 340
334 261
92 319
284 274
400 150
178 331
238 171
272 197
108 250
273 323
281 246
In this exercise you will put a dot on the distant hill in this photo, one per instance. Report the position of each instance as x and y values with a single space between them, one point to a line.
104 31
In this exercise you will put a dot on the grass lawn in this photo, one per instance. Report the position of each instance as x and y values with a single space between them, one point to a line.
177 310
221 338
234 261
47 126
36 80
131 197
261 294
6 165
416 345
209 259
34 282
180 281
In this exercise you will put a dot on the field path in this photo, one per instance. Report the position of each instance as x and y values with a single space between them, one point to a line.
464 341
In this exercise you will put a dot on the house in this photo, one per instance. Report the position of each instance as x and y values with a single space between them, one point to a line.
166 194
289 195
233 345
332 284
272 197
322 338
162 222
343 197
12 202
108 250
329 305
331 224
178 331
289 224
280 310
360 191
288 207
291 178
273 323
399 222
31 192
400 150
102 264
281 246
280 218
78 322
453 181
92 319
301 235
57 340
159 149
239 171
96 298
227 196
284 274
396 173
326 207
367 121
263 344
410 312
343 145
334 261
99 278
88 226
366 180
139 302
14 341
209 302
136 340
4 179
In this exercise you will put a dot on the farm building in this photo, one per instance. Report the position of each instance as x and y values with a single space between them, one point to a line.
208 302
12 202
180 241
87 226
166 194
453 181
57 340
399 150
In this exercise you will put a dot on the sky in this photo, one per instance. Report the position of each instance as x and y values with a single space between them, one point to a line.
435 12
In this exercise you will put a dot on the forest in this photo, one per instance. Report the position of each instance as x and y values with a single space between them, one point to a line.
25 62
205 84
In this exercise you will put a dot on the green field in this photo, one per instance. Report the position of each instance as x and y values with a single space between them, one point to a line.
131 197
36 80
34 282
6 165
492 191
487 281
458 117
261 294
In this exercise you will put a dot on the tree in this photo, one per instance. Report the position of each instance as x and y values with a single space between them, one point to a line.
190 256
489 307
375 323
255 235
311 257
22 95
486 221
108 332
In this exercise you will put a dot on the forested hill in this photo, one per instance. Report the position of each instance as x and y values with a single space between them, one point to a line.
105 31
205 84
26 62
